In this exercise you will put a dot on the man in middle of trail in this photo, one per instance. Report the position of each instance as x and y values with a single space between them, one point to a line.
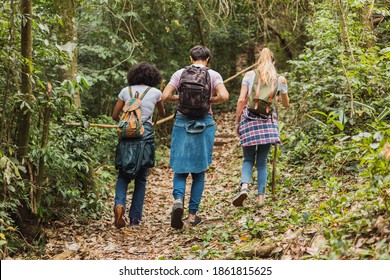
194 129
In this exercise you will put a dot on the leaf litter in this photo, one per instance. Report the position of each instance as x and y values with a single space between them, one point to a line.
297 223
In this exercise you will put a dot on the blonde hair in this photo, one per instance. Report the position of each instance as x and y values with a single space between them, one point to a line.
266 66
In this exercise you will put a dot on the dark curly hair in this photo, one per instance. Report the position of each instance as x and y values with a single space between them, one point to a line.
144 73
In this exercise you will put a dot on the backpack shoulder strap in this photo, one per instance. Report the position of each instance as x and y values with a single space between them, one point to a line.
145 92
137 93
272 82
270 99
257 75
276 100
130 92
208 77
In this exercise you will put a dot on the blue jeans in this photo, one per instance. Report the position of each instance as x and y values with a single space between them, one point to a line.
179 189
137 202
260 153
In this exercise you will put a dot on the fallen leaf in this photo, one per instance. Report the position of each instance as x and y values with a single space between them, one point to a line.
245 237
286 257
74 247
319 242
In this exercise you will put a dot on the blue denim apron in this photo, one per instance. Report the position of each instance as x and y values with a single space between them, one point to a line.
192 144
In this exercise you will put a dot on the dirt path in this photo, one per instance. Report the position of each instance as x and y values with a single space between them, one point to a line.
292 225
155 239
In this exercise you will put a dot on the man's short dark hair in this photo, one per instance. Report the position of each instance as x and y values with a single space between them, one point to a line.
200 52
144 73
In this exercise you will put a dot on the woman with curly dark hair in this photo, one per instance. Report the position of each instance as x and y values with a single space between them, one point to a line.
142 78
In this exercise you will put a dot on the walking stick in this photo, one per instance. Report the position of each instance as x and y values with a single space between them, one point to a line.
274 168
275 154
87 124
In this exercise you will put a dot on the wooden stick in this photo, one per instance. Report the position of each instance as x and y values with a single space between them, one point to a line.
92 124
239 73
165 119
274 169
275 153
158 122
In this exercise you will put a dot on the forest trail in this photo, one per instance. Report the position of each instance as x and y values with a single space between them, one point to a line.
332 198
292 225
155 239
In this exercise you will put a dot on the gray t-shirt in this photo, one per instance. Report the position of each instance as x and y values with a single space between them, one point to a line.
248 80
147 103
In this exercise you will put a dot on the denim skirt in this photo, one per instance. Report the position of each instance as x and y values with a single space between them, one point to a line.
192 144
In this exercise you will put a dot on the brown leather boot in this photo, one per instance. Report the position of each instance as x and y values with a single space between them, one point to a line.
119 213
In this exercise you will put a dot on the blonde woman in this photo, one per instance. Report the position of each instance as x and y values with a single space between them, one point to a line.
257 132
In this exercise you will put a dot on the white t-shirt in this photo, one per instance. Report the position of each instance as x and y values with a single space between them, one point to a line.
147 103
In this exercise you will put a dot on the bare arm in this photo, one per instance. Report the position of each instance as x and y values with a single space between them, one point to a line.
160 108
222 94
241 102
117 109
285 98
168 96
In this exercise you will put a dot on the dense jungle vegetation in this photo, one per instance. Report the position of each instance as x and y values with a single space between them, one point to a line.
66 61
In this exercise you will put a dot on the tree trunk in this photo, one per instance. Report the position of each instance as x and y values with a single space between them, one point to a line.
25 219
199 23
348 46
67 36
44 141
24 116
251 54
344 29
283 42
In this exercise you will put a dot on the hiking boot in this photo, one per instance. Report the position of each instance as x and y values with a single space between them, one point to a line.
195 221
177 214
134 222
240 197
119 212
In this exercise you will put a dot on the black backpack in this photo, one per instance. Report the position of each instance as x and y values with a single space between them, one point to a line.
194 91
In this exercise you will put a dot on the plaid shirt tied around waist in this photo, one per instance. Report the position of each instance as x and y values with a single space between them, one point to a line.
258 130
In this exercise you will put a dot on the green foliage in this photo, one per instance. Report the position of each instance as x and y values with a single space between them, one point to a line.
132 35
339 136
76 150
335 135
162 36
71 155
12 193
